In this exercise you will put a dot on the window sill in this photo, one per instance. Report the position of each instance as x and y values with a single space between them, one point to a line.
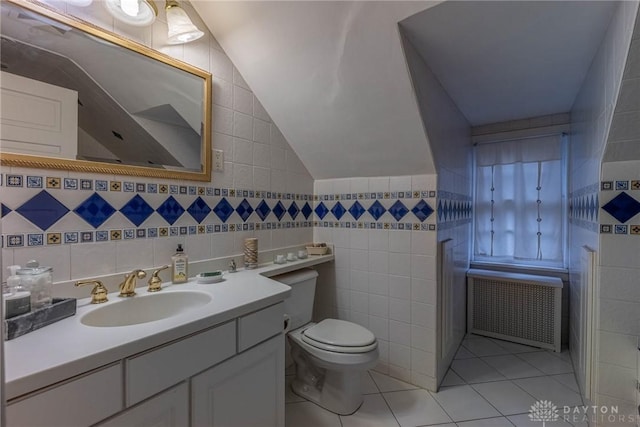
560 272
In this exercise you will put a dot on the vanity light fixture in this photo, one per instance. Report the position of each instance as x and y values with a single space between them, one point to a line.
139 13
181 29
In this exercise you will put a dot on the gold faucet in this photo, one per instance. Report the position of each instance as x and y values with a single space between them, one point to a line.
128 287
98 293
155 282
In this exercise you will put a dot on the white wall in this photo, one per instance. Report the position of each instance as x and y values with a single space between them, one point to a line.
449 136
387 279
619 325
591 118
384 278
257 158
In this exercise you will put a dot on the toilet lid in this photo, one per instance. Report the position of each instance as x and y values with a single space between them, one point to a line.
339 333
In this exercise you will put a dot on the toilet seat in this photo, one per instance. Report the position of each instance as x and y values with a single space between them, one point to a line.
340 336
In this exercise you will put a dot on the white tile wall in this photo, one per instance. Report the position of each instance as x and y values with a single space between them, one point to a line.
257 157
591 117
373 274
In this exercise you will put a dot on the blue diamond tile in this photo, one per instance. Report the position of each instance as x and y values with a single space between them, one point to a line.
338 210
199 209
279 210
422 210
293 210
137 210
244 209
440 210
356 210
376 210
321 210
622 207
398 210
95 210
4 210
306 210
43 210
223 210
263 210
170 210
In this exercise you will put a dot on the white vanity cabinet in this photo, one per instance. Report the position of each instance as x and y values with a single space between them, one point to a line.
231 374
247 390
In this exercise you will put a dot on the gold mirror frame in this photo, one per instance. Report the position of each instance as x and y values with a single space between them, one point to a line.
40 162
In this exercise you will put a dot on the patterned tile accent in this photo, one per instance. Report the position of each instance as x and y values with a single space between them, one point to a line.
279 210
293 210
406 210
199 209
584 207
137 210
4 210
43 210
263 210
170 210
133 203
376 210
398 210
244 209
623 207
95 210
223 210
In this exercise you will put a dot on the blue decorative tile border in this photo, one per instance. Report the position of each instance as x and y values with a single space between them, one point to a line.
185 209
454 210
395 210
193 209
583 207
624 206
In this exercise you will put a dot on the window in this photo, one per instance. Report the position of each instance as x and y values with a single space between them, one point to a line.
520 202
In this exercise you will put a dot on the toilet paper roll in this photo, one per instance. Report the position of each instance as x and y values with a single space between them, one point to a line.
287 323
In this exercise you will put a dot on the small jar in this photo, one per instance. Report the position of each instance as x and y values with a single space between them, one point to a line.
39 281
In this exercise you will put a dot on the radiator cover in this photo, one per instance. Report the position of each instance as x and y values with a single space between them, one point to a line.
522 308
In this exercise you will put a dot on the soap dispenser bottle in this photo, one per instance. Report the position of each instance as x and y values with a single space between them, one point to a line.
179 266
18 300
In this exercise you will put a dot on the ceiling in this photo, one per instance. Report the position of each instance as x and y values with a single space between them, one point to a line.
507 60
333 76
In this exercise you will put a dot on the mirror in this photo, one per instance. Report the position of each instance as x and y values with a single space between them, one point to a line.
76 97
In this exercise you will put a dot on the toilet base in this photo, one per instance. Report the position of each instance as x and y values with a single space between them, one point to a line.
338 392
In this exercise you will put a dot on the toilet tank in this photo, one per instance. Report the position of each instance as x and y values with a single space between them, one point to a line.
299 305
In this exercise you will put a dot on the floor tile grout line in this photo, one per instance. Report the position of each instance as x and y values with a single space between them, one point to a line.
522 360
390 409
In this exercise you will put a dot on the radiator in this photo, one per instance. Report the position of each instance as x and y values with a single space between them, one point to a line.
521 308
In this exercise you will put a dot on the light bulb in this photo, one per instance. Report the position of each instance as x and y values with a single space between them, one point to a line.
130 7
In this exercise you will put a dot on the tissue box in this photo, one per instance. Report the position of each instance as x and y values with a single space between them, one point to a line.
59 309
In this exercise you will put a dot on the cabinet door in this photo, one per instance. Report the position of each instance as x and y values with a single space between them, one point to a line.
245 391
168 409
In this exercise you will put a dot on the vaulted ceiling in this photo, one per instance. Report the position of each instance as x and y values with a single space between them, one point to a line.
333 76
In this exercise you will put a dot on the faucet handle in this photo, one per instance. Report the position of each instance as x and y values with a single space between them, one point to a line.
98 293
155 282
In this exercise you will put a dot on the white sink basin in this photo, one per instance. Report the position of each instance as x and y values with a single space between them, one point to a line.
145 308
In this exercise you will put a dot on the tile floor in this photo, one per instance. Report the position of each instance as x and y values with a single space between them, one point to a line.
491 383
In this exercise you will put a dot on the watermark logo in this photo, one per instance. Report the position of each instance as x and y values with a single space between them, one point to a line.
545 411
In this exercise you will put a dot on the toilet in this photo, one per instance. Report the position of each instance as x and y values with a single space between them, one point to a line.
329 356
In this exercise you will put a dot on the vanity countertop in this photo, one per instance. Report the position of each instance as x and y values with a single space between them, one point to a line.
68 348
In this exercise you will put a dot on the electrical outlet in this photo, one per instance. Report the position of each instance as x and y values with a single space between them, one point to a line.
218 160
